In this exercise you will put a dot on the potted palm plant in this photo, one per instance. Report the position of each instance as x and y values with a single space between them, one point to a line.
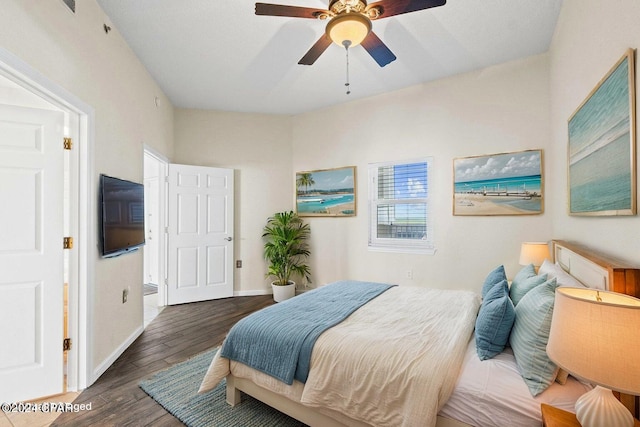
286 251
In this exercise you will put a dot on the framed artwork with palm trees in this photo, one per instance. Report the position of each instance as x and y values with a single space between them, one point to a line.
326 192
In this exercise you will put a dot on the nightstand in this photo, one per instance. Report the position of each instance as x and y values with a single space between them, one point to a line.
555 417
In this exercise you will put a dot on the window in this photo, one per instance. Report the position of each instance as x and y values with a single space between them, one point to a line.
399 212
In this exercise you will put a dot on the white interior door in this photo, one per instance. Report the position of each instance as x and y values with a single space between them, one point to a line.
31 254
200 234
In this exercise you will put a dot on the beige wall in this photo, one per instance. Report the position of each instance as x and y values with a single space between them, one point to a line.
499 109
476 113
74 52
258 147
590 38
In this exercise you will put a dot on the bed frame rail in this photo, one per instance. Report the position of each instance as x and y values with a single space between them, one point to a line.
310 416
294 409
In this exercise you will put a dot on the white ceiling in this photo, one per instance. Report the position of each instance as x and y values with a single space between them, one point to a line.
218 55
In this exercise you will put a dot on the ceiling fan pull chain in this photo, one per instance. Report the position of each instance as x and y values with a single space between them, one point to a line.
346 44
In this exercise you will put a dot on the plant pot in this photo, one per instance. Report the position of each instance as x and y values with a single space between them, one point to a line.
283 292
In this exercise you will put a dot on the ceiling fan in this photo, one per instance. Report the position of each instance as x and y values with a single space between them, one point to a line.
349 23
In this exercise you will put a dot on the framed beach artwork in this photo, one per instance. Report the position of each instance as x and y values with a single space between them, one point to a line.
499 184
326 192
602 146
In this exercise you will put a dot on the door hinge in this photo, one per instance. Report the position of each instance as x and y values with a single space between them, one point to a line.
68 143
66 344
67 243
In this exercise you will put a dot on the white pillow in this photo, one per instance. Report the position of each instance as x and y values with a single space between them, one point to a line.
563 278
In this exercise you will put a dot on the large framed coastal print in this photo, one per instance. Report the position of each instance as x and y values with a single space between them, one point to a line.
499 184
326 192
602 146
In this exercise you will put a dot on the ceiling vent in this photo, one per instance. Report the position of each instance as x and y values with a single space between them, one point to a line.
71 4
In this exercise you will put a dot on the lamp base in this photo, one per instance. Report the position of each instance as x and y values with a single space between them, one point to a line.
599 407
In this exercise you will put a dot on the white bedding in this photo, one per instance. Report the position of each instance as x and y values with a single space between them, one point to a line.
492 393
391 370
399 357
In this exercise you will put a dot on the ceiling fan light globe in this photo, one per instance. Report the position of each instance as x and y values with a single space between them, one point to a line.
348 26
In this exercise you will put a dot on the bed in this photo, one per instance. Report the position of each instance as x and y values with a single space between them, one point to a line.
443 386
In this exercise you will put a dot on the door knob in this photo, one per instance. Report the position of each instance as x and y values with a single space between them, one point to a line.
228 239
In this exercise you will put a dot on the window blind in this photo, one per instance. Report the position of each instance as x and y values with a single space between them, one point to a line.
399 205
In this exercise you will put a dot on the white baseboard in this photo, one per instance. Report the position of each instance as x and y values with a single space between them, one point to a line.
252 293
117 353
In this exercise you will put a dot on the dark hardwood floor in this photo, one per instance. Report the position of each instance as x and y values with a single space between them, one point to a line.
178 333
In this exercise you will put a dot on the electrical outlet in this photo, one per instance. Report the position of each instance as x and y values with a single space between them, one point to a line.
409 274
125 295
239 263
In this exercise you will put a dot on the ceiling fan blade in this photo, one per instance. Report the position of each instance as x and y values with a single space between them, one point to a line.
316 50
378 50
290 11
389 8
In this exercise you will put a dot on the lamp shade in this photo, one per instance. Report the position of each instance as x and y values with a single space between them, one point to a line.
595 336
534 253
350 26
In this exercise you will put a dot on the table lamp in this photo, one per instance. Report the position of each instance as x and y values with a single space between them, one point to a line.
595 336
534 253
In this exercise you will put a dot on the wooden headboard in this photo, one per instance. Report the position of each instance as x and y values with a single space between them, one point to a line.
590 268
601 272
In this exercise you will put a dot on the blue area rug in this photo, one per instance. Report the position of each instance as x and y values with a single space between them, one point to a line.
176 389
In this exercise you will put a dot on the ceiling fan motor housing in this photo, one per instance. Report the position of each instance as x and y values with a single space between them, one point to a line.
340 6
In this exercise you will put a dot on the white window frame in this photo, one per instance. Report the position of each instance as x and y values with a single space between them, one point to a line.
425 246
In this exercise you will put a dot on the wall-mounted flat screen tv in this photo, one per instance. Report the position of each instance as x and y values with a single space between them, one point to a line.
122 216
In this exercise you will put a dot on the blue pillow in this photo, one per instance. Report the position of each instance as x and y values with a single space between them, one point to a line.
494 321
496 276
530 334
525 280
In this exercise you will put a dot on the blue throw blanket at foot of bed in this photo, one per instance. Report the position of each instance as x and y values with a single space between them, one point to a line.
278 340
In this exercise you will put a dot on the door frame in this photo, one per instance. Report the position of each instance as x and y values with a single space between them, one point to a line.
163 210
82 222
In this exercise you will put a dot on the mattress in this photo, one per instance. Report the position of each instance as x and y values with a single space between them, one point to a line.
492 393
392 362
